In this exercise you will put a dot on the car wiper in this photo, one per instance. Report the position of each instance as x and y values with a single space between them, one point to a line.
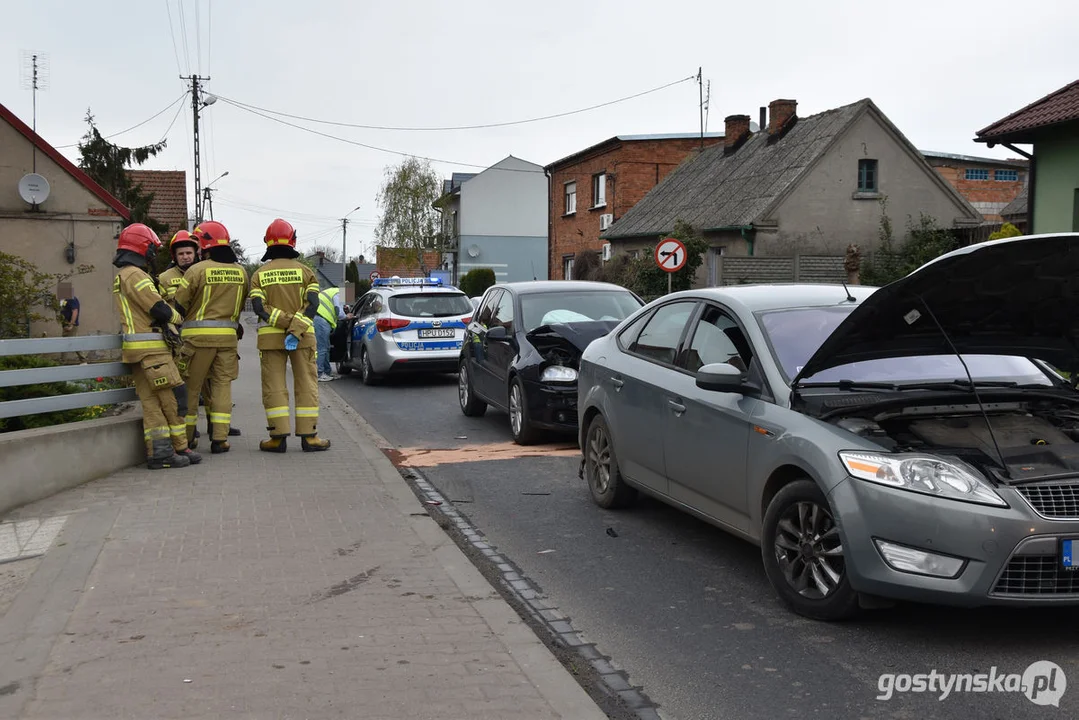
853 385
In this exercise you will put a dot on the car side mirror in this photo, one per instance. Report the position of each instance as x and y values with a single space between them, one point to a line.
723 377
498 333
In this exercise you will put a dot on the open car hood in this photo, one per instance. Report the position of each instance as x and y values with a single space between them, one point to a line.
578 334
1018 296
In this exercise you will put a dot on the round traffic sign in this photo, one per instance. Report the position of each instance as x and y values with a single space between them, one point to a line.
670 254
374 275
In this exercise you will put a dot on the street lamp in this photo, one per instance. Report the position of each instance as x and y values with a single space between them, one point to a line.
207 197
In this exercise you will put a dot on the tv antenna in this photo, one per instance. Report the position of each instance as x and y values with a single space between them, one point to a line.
35 76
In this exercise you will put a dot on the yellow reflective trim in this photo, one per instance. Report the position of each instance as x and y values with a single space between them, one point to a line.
306 412
239 304
159 432
206 331
145 345
144 283
274 316
313 287
191 419
277 412
177 430
270 330
256 293
184 282
220 418
125 308
205 302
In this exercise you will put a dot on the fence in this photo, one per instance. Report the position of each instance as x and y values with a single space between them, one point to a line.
765 269
63 373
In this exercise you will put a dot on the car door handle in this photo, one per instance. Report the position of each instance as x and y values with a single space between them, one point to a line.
618 383
678 407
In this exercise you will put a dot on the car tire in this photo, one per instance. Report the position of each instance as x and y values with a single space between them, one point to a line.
605 483
471 405
520 423
803 554
344 368
367 373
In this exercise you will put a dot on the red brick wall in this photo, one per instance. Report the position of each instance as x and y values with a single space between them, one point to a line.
633 168
404 263
976 191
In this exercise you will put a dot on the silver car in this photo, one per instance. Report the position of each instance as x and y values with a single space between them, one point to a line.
914 442
406 325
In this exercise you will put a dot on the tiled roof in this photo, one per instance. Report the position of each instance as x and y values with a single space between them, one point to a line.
1059 106
714 190
169 188
102 194
1017 207
631 138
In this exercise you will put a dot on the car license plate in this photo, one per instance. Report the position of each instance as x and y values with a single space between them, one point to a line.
1068 548
436 333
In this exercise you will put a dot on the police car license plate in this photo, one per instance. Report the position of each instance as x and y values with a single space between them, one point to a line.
436 333
1068 548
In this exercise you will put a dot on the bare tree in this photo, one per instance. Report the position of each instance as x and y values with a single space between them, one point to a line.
409 220
331 253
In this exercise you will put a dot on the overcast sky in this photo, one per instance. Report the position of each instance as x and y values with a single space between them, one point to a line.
940 69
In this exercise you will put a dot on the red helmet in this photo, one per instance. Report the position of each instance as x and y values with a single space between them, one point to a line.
211 234
280 232
138 238
182 238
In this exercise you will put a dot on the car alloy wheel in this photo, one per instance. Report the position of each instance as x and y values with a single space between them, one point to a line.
601 472
523 431
809 550
516 409
367 372
462 386
471 405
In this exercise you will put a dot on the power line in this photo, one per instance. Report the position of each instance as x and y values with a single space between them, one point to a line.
169 128
172 36
183 33
462 127
365 145
263 209
198 38
134 127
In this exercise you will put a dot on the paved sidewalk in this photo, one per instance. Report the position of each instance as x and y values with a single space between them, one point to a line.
255 585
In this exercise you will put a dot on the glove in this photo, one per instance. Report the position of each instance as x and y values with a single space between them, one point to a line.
239 331
172 336
291 342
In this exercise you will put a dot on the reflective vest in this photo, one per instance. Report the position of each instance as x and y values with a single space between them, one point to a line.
326 307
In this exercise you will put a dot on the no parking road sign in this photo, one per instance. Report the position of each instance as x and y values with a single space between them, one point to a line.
670 254
374 275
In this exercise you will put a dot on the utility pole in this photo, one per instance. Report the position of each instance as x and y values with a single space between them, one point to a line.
707 104
197 104
700 89
209 200
344 256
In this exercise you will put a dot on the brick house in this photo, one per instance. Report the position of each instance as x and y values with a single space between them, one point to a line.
169 204
591 189
987 184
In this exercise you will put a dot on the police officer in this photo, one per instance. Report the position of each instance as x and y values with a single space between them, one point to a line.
211 296
143 315
284 294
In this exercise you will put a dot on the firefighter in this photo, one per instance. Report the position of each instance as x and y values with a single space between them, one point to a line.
210 297
147 319
284 294
184 251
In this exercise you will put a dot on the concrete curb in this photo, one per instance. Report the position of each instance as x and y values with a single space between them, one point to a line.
609 686
557 686
34 469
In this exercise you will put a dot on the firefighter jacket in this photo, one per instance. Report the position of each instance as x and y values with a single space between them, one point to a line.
282 285
168 282
212 295
135 293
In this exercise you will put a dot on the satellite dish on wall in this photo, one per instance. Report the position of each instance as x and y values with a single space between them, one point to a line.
473 250
33 188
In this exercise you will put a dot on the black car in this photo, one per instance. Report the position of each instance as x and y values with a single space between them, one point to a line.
523 347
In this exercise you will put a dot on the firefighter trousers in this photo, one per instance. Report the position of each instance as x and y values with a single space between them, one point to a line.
220 366
160 419
275 391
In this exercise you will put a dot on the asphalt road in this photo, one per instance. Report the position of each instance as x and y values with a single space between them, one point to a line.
686 609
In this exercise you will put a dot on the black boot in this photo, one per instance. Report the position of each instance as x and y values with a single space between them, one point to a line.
234 432
191 455
219 446
313 443
165 457
276 444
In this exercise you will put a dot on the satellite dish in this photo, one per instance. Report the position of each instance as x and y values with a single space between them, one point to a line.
33 188
473 250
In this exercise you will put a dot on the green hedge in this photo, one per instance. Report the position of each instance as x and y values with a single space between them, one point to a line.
475 282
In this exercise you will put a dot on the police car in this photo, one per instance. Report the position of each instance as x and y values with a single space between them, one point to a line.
403 325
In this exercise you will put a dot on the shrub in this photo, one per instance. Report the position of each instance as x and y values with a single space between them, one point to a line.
476 281
1007 230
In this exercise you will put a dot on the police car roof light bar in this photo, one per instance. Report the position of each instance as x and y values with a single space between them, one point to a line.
396 282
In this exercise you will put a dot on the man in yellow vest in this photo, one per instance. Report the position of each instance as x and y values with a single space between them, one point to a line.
329 312
143 315
211 296
284 294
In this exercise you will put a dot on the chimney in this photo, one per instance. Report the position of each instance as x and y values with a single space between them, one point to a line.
764 118
736 127
779 113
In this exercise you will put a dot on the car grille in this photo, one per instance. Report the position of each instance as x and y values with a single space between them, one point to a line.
1056 500
1041 575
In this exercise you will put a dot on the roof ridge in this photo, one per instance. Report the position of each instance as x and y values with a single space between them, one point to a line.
1030 106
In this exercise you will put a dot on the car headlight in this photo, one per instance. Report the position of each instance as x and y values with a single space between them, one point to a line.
921 473
558 373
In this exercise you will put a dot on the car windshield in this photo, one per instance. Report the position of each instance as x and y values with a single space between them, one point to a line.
796 334
552 308
430 305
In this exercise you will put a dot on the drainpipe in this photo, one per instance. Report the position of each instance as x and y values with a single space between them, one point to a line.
1030 183
550 225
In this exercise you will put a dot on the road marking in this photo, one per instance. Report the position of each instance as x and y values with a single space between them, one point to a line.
28 538
431 457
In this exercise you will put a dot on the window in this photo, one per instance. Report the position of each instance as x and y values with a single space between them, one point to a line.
569 306
571 198
599 190
867 176
717 339
567 267
1006 175
430 305
659 339
627 337
487 308
504 312
453 228
977 174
